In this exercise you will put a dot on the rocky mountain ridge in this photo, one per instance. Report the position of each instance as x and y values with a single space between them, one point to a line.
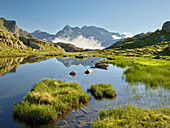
101 35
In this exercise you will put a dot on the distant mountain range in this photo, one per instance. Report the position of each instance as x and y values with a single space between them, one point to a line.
86 37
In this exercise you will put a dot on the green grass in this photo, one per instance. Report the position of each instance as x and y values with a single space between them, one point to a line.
149 75
102 90
33 113
144 44
132 116
49 98
153 72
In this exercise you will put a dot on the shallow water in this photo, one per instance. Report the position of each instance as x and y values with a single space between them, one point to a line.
16 80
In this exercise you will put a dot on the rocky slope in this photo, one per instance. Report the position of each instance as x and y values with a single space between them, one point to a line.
101 35
43 35
14 39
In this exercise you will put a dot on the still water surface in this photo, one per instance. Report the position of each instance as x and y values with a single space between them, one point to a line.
16 80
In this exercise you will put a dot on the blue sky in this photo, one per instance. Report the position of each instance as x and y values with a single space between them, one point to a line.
133 16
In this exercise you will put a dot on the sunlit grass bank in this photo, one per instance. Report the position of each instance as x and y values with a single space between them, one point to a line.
132 116
102 90
153 72
49 98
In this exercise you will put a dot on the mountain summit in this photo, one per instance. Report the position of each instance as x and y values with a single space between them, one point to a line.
74 35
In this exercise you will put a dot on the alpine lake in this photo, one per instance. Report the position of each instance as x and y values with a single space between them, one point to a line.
18 75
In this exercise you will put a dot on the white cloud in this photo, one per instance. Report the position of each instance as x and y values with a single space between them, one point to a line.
81 42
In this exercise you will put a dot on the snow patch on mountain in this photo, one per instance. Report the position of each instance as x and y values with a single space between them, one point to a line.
116 37
127 34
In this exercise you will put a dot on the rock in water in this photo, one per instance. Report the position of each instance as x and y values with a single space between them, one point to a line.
88 71
166 27
72 73
102 65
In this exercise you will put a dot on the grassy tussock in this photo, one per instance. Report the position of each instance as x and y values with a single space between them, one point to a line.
132 116
49 98
102 90
153 72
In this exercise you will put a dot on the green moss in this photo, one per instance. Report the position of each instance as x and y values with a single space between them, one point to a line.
102 90
49 98
132 116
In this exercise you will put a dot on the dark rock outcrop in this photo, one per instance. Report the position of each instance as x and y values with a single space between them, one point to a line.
166 27
11 26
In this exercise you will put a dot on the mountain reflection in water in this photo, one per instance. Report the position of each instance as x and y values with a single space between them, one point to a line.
73 61
10 64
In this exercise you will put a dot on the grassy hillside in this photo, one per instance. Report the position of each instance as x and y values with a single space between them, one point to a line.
151 43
